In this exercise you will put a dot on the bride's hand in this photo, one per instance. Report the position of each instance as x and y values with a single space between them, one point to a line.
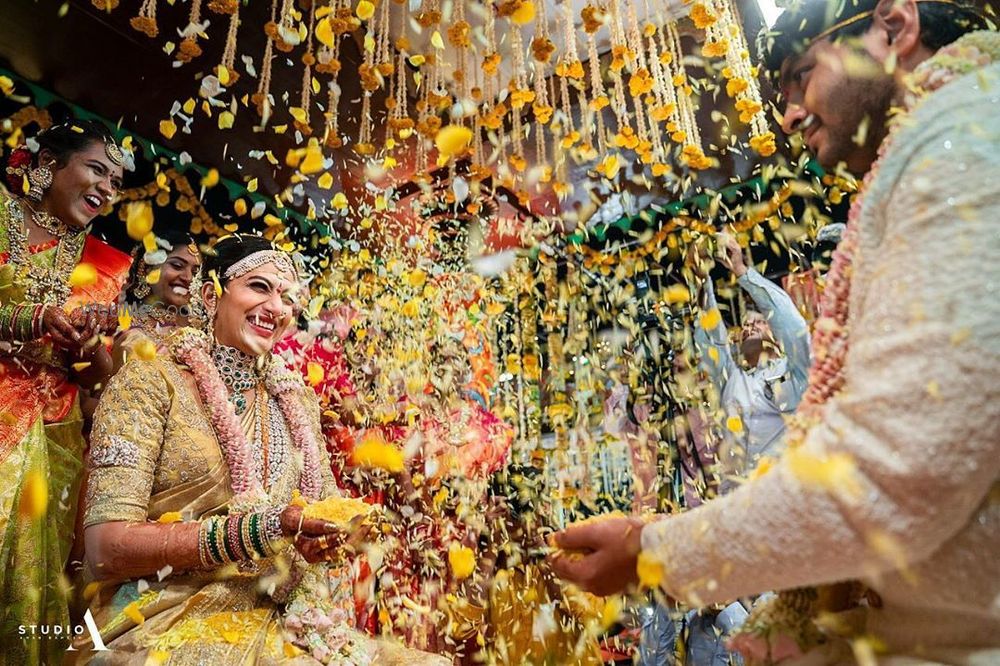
315 539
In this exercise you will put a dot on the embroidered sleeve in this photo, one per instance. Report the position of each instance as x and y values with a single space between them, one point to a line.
125 444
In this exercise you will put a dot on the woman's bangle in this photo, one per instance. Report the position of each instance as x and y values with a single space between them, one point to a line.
239 537
272 530
6 319
21 322
38 321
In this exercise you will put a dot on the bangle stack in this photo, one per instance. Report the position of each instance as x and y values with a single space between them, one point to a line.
21 322
239 537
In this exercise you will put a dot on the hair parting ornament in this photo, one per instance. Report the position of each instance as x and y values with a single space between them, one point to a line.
248 263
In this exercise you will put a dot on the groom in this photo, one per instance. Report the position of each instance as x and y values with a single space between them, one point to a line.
895 479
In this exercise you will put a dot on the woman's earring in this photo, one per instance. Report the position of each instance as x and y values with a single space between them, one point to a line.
39 180
141 289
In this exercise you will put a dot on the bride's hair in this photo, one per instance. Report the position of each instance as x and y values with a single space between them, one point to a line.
228 251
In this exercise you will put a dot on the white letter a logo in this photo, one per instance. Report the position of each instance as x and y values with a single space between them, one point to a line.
95 635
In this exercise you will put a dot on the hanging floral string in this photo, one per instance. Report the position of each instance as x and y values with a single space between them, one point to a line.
593 19
189 49
262 98
302 122
458 80
725 38
145 21
227 68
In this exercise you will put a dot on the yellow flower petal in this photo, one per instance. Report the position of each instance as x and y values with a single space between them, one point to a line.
168 128
133 613
315 373
170 517
416 278
339 201
138 219
145 350
649 569
313 162
83 275
462 561
524 14
324 32
411 308
611 612
211 179
734 424
374 452
365 10
710 319
452 139
677 293
337 509
836 472
34 495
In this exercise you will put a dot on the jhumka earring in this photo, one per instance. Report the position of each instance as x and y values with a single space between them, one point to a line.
142 287
39 180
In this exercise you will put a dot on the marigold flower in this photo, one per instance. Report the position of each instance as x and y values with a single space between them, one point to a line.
701 16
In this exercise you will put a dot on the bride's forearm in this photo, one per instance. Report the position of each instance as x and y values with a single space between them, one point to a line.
120 550
123 550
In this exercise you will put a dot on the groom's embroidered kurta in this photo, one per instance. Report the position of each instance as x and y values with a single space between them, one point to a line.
919 414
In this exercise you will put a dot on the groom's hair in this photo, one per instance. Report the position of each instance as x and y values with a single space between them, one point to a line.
941 23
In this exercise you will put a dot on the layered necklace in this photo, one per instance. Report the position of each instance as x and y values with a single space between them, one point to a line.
45 284
218 372
239 372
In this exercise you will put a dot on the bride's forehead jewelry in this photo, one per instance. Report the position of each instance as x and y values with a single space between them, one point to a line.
114 153
252 261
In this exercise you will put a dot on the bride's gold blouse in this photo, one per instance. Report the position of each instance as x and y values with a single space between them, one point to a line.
154 450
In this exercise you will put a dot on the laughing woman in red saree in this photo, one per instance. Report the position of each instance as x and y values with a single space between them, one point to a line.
49 350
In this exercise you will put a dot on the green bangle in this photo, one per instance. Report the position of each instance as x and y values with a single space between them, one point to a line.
213 545
257 535
232 554
24 316
6 319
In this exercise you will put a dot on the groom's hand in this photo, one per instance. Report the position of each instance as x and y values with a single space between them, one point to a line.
599 556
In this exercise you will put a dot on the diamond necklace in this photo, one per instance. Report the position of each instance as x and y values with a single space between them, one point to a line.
239 372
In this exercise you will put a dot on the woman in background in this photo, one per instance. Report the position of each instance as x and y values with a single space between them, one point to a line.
49 349
158 295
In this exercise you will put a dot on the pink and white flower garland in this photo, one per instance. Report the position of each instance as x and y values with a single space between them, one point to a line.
830 336
191 348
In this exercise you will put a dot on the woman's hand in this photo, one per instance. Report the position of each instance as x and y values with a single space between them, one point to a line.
58 325
319 540
93 322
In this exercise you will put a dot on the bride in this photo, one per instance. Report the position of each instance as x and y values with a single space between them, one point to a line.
196 547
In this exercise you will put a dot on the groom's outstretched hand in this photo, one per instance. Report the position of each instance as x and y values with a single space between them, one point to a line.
599 555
